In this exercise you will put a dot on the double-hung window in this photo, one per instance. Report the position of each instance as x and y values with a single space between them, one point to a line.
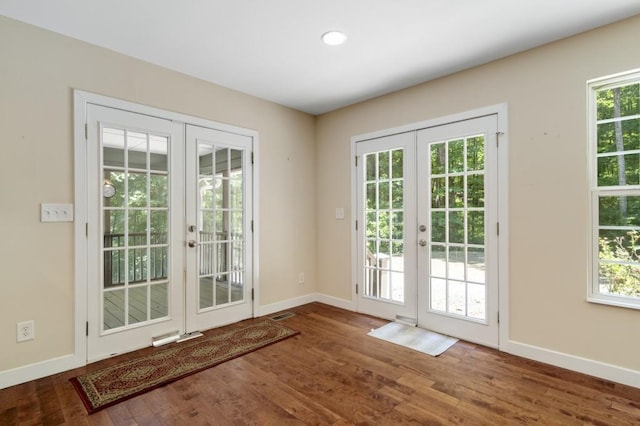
614 145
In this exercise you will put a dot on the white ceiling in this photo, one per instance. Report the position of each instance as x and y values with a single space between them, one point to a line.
272 49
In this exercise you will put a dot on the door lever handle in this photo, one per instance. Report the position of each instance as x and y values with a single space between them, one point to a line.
422 243
192 243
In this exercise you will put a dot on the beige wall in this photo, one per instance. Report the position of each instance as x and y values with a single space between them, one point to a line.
38 70
548 190
304 176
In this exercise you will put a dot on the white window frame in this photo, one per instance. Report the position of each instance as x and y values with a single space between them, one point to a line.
593 86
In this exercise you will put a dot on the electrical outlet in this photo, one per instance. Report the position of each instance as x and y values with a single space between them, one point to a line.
301 278
26 331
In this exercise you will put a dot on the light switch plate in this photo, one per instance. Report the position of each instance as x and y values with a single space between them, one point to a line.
339 213
56 212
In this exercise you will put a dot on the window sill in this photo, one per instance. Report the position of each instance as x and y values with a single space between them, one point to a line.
621 302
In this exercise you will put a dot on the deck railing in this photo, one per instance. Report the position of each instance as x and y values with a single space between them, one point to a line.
220 255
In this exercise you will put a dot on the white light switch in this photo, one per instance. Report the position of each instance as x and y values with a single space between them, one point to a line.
56 212
339 213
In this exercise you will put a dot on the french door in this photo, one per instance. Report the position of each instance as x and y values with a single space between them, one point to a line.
427 250
168 205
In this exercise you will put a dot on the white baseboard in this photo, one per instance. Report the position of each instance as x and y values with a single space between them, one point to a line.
38 370
571 362
334 301
285 304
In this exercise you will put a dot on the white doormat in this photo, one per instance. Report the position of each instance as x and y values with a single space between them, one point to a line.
415 338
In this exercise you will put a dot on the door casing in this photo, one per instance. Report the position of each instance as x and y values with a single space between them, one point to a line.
501 111
81 211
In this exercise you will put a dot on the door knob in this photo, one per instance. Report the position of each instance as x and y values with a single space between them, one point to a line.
423 228
192 243
422 243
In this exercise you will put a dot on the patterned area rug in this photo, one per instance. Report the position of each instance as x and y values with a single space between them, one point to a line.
108 386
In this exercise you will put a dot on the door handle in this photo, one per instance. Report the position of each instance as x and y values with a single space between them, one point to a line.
422 243
423 228
192 243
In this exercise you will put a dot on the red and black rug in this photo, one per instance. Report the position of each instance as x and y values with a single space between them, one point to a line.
111 385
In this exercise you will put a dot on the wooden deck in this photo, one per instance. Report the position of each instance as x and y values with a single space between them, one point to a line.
333 373
114 301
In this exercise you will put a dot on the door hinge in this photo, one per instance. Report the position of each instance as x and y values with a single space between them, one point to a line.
356 288
498 228
86 131
252 294
498 134
251 226
87 329
251 157
356 225
498 317
86 229
356 161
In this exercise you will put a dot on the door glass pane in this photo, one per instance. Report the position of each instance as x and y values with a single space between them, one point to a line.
221 225
457 261
384 225
135 227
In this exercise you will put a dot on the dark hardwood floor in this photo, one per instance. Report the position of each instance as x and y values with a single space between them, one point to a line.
333 373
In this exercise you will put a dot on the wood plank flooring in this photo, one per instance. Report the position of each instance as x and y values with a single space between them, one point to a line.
333 373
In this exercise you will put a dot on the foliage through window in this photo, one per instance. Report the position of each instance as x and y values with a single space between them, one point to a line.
615 149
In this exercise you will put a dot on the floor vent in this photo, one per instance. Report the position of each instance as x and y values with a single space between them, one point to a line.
282 316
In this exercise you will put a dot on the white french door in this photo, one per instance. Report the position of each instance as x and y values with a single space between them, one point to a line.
387 226
458 211
427 246
156 187
218 232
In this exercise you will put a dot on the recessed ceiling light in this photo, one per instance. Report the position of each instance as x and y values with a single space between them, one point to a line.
333 38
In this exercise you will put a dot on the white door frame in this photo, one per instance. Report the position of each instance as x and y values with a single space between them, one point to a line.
501 110
81 217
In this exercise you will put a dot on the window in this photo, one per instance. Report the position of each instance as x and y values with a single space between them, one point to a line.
614 134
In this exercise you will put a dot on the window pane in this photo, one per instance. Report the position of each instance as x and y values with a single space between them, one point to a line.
137 305
438 294
397 163
159 301
397 194
618 102
475 191
438 227
619 136
438 159
456 156
619 210
137 150
456 191
158 150
438 261
159 191
370 162
397 226
475 227
456 227
383 195
456 263
438 193
475 153
113 305
475 266
159 226
113 147
383 165
137 189
476 297
619 279
619 170
457 298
